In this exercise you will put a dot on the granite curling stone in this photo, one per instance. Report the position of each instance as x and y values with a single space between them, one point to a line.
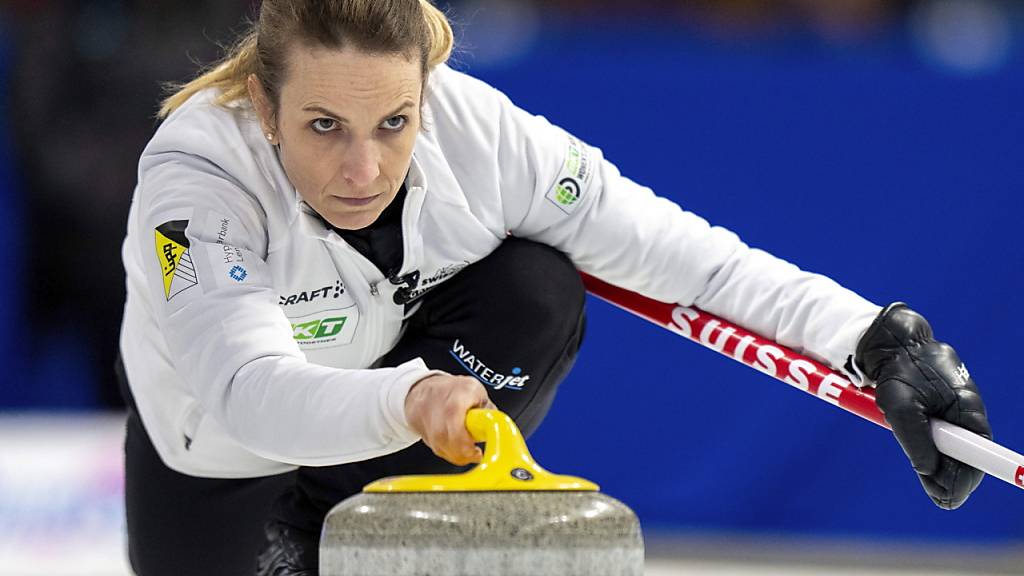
506 517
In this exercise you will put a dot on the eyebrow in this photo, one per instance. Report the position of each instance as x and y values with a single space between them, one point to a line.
343 120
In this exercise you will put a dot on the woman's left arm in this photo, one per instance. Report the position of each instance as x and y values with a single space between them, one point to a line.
567 195
559 191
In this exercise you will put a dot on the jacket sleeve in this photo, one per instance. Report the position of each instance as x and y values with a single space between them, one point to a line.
203 243
560 191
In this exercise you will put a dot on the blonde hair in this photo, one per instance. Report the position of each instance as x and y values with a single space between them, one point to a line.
411 27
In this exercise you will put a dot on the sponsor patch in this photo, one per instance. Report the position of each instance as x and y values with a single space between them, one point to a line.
225 260
427 284
574 178
172 251
326 328
229 266
329 291
515 381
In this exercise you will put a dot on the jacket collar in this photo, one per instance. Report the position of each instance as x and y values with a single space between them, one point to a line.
310 223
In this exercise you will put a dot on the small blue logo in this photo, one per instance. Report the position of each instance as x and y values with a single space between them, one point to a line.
238 273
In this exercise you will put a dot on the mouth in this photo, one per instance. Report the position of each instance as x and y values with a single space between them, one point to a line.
357 201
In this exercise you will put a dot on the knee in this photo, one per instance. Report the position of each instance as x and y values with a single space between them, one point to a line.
533 282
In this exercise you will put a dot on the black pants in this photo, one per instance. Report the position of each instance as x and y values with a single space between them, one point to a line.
518 312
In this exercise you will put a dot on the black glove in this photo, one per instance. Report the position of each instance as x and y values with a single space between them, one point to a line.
919 378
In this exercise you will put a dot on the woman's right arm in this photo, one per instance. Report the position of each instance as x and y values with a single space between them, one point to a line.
202 241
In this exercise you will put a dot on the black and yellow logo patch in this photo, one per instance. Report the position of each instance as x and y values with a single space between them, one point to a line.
172 251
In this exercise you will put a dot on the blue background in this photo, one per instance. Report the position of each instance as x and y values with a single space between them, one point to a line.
896 178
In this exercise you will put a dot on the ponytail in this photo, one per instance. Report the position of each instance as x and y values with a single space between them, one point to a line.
442 39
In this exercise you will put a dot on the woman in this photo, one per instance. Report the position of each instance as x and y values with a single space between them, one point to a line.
338 246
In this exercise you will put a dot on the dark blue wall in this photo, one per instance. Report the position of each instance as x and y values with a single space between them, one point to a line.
12 331
898 179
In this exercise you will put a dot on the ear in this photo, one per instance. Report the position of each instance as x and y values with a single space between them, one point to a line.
264 109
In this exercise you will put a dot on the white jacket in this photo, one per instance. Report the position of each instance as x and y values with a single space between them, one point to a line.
250 327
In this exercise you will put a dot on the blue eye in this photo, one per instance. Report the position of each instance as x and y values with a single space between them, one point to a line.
395 123
324 125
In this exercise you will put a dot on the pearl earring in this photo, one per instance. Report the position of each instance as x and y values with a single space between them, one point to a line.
270 136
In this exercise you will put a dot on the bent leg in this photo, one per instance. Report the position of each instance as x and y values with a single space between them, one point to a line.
514 321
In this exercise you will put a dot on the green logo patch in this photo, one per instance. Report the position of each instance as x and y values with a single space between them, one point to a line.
318 329
573 178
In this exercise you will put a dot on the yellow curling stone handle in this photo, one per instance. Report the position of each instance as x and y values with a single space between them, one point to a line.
506 465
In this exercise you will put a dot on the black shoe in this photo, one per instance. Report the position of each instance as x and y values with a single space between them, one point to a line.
289 552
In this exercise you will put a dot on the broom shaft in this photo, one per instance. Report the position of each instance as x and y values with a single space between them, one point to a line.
805 374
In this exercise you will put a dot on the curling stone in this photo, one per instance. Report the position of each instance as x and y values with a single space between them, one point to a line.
505 517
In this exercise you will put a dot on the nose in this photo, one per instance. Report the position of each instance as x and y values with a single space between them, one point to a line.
361 164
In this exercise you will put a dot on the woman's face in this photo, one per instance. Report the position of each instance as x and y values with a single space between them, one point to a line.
346 126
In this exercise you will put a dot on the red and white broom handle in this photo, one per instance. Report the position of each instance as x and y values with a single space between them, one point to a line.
804 373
